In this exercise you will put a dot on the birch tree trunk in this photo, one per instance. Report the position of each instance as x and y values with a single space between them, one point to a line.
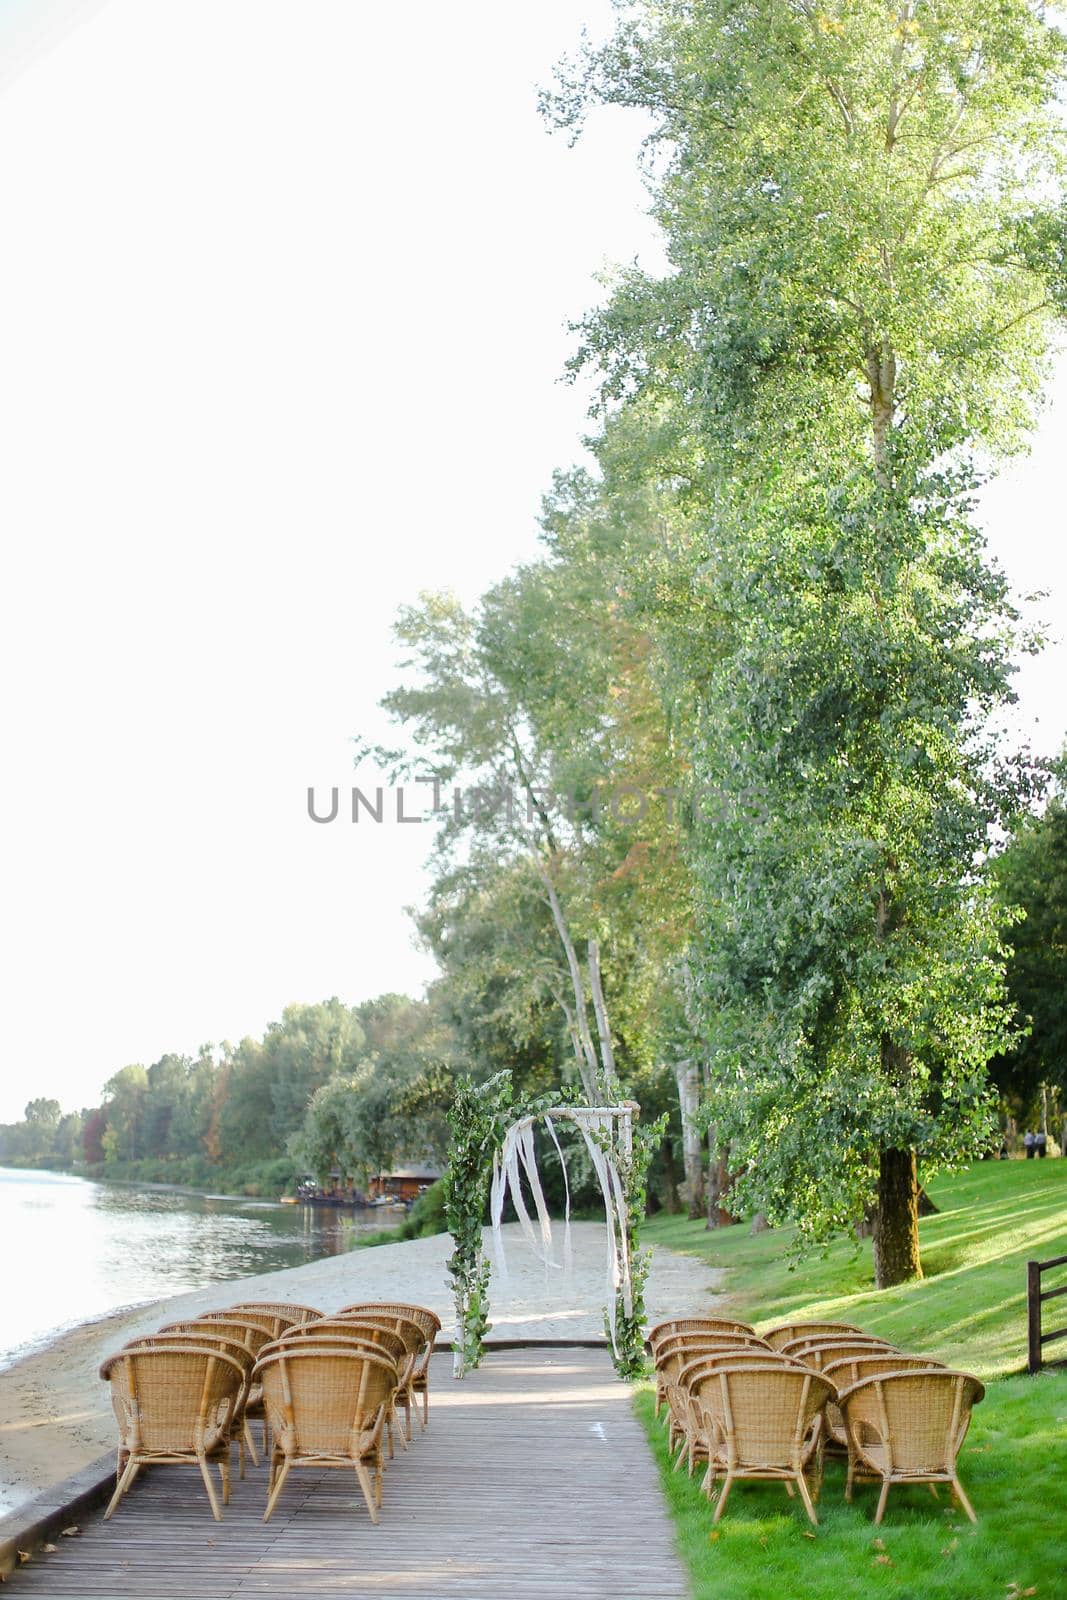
687 1077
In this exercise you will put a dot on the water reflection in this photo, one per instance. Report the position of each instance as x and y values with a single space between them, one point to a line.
76 1249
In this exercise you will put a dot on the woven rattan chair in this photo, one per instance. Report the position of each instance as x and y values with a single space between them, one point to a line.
174 1404
280 1314
430 1323
253 1333
760 1420
207 1337
701 1362
327 1408
845 1370
373 1337
399 1319
907 1427
672 1354
788 1331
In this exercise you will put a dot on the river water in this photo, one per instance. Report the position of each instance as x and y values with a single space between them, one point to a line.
75 1250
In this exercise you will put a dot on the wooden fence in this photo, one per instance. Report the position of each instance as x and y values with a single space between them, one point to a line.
1035 1298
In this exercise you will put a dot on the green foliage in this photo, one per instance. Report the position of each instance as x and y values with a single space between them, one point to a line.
968 1312
861 211
1031 874
478 1120
629 1352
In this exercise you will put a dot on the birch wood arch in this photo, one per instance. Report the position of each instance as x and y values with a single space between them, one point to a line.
607 1132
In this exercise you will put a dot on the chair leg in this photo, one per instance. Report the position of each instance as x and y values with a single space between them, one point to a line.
378 1476
224 1474
851 1478
246 1439
720 1505
205 1473
961 1496
708 1482
806 1497
129 1472
272 1499
368 1489
426 1406
882 1498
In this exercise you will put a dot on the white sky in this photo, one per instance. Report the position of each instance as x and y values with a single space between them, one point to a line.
283 301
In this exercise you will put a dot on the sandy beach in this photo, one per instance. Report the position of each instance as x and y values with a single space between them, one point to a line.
55 1414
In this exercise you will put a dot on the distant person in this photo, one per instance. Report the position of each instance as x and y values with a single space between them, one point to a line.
1028 1141
1041 1143
1003 1152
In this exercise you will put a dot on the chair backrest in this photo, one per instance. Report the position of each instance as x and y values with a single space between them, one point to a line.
427 1320
415 1340
817 1352
295 1340
920 1417
380 1334
741 1355
683 1346
171 1396
253 1333
762 1410
675 1325
280 1314
844 1371
788 1331
206 1340
317 1397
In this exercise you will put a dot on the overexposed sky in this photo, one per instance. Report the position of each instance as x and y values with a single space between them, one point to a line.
283 302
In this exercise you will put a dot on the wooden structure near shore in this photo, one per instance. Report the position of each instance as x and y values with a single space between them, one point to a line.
534 1480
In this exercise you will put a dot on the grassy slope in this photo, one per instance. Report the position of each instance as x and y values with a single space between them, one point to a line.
969 1311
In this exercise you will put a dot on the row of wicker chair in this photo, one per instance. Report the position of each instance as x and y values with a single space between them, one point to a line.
772 1406
328 1390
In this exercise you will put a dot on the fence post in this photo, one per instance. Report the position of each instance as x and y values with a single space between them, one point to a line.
1033 1315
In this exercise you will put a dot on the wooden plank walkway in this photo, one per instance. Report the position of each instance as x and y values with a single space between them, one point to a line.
534 1480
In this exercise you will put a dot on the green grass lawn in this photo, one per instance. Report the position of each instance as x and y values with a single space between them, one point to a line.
969 1311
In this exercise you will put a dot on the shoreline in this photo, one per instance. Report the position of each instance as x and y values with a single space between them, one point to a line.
55 1414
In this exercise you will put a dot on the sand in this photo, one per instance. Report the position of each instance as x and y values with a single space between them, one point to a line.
55 1414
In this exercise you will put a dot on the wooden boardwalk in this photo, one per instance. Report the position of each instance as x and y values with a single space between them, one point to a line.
534 1481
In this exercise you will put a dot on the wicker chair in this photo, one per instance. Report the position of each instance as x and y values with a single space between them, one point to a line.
375 1338
327 1408
280 1314
430 1323
698 1365
209 1339
175 1404
398 1319
760 1420
251 1332
676 1349
907 1427
845 1370
787 1331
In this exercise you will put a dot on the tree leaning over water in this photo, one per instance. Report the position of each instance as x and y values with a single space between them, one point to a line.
868 255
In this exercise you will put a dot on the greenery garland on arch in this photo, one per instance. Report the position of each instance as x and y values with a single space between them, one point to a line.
479 1119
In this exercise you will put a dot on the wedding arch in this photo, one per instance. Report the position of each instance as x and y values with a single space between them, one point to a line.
492 1153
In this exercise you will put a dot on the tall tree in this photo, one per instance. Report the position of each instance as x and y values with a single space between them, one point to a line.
866 238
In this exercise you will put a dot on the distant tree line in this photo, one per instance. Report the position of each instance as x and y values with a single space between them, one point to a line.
257 1111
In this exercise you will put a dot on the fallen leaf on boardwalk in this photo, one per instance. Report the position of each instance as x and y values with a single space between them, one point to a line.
70 1533
49 1549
